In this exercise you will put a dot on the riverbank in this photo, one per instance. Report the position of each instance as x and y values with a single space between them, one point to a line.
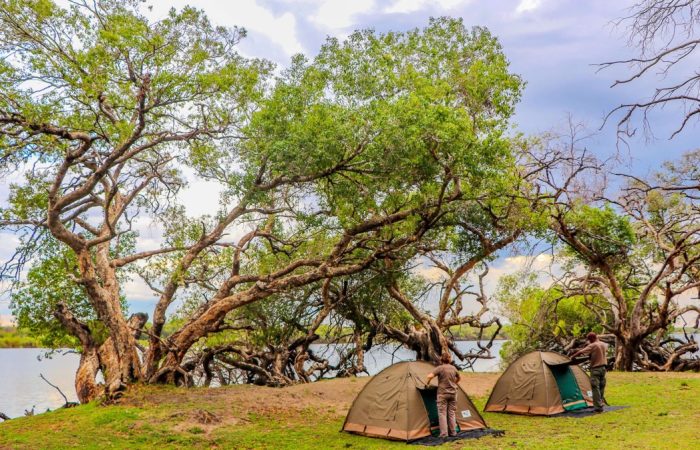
663 413
10 337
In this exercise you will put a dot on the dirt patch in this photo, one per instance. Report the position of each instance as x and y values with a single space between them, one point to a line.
478 384
336 395
203 409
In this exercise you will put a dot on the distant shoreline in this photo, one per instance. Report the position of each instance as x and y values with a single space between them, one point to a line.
11 337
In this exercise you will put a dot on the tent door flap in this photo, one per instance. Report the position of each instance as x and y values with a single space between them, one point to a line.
429 397
571 397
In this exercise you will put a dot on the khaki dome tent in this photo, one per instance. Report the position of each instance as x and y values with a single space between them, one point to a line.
396 405
541 383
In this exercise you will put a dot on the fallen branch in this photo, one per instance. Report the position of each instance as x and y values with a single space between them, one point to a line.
4 416
67 404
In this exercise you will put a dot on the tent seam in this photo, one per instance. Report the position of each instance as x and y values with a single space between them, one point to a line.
546 386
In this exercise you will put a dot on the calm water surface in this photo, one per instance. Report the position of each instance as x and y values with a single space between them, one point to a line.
21 388
20 385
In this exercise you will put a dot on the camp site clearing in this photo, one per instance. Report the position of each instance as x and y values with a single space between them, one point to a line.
664 412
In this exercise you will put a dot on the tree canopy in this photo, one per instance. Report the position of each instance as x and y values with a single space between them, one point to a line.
380 148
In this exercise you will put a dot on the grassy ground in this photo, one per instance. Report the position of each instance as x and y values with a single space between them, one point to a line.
664 413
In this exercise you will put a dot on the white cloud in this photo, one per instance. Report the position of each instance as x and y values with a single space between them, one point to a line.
410 6
406 6
8 245
150 233
137 290
338 14
512 264
281 29
200 197
430 273
541 265
528 5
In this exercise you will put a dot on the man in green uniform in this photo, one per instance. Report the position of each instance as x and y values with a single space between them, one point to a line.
598 351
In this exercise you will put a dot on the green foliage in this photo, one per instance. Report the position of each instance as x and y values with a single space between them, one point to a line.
380 124
391 109
371 125
538 317
81 67
606 234
13 338
47 283
173 88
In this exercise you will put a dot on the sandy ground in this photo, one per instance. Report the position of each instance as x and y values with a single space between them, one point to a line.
211 408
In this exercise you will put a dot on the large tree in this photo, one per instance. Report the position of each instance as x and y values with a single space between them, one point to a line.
97 107
405 127
339 162
634 261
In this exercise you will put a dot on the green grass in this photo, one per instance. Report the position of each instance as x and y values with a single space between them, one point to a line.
12 338
664 412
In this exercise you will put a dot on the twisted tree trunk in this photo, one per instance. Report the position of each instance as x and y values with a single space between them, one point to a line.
118 369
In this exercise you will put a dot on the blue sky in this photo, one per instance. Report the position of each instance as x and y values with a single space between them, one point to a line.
553 44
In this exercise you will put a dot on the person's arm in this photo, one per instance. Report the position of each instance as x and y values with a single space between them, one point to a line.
584 351
433 374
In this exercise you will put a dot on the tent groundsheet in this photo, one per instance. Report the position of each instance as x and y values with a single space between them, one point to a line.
434 441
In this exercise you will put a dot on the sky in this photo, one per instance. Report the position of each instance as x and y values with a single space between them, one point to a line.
553 44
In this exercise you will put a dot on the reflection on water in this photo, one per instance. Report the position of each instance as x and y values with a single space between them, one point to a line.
20 385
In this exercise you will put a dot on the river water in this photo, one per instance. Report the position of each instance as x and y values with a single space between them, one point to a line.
20 385
21 388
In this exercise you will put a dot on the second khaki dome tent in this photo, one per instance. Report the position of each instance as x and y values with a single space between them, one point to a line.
541 383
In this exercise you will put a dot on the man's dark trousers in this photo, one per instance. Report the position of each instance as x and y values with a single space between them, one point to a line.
598 385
